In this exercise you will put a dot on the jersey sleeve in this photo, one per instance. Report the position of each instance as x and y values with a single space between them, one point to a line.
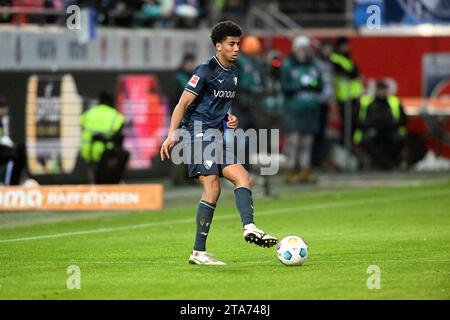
198 80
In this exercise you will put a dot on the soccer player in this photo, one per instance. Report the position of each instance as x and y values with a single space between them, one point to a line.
207 98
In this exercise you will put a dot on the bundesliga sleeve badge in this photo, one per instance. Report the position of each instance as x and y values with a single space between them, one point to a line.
194 80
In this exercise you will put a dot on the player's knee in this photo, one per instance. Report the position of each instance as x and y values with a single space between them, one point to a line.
213 190
245 181
249 181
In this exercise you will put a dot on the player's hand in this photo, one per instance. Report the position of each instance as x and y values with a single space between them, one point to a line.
232 121
166 147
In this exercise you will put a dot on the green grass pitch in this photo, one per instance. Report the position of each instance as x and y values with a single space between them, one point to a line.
405 231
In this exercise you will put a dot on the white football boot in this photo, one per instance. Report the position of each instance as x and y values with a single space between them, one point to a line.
257 236
203 257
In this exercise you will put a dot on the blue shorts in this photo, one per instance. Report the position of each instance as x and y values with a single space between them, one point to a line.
210 158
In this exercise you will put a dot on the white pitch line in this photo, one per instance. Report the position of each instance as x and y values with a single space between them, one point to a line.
34 264
233 216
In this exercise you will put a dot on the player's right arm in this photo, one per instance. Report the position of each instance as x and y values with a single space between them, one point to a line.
186 99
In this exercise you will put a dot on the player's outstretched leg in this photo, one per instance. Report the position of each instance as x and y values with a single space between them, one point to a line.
244 203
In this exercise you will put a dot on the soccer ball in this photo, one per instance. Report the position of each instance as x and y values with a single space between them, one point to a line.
292 251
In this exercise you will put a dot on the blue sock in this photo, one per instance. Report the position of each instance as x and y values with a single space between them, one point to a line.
244 204
205 214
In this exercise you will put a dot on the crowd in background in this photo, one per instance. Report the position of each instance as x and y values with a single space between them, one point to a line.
134 13
296 94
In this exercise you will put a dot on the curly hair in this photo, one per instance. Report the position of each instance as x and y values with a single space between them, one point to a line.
225 29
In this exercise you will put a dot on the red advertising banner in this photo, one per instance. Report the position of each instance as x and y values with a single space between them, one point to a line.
396 57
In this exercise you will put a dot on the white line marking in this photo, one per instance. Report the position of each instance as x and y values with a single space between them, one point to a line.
233 216
317 261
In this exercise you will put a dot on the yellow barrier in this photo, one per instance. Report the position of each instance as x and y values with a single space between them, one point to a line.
82 198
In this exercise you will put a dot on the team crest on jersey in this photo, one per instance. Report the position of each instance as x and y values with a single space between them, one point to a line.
194 80
235 81
208 164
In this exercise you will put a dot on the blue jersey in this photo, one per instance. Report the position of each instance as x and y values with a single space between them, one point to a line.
215 87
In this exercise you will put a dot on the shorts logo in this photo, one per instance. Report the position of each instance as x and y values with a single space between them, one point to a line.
208 164
194 80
